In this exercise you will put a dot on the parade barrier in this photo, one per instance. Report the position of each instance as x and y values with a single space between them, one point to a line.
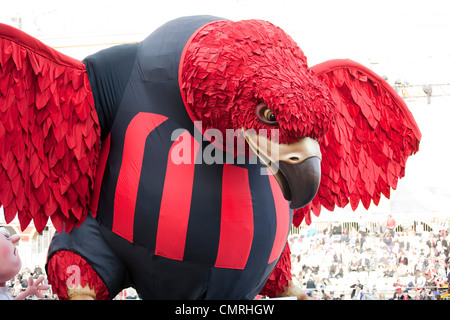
417 91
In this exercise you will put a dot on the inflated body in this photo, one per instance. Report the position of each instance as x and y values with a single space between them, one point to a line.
228 226
140 191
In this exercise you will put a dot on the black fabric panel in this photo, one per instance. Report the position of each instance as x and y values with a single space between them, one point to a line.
158 62
160 52
202 239
231 284
174 280
151 184
264 217
108 72
108 189
87 242
158 278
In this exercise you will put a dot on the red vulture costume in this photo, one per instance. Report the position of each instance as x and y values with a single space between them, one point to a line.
149 158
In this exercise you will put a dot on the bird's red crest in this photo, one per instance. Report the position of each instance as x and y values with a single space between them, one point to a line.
228 68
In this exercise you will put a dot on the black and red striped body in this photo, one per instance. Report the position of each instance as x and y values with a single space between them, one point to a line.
170 208
181 231
229 221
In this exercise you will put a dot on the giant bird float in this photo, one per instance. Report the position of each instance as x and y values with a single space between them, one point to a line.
143 155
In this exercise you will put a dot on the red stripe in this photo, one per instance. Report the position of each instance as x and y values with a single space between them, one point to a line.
236 229
176 199
104 152
282 213
130 171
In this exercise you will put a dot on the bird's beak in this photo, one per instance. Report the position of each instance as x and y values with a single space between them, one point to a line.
296 166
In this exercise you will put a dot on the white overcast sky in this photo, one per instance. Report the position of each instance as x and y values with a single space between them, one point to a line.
401 39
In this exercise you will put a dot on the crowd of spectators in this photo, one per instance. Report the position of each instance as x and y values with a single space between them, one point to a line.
355 261
376 261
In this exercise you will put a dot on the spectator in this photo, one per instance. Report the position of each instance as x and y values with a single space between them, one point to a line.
390 225
367 295
421 281
430 273
357 286
428 89
315 295
355 264
37 272
358 295
398 286
17 288
421 295
310 284
403 259
332 296
405 295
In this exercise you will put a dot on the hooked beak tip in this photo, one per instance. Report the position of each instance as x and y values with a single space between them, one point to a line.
299 182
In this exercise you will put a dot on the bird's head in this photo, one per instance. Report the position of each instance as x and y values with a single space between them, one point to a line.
251 77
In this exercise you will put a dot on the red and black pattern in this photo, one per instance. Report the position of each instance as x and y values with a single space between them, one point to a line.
195 230
216 216
205 222
207 206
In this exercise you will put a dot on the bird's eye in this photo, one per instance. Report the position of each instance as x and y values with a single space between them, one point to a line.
266 115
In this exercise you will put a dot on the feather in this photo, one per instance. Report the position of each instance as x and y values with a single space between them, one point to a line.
374 134
254 62
49 133
63 275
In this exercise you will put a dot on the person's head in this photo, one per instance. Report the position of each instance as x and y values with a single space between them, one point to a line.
10 262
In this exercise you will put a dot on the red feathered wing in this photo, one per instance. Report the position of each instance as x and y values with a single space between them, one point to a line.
49 133
365 151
